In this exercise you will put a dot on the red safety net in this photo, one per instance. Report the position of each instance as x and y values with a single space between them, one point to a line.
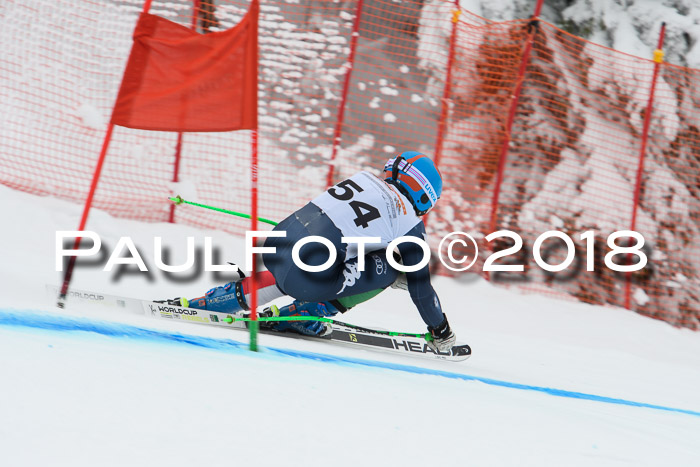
345 85
573 153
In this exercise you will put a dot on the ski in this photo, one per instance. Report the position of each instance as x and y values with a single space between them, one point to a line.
342 333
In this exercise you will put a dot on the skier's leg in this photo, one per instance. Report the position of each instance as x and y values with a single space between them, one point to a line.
293 279
399 282
349 281
330 307
324 293
340 280
321 309
354 289
235 295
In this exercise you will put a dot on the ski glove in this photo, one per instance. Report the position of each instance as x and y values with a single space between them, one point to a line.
443 337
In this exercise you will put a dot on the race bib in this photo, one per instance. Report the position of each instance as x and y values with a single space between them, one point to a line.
365 206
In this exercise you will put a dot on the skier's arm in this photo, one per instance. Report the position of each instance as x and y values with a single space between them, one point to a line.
422 292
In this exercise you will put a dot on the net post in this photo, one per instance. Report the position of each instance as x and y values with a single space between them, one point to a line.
538 9
658 60
63 293
176 173
533 27
86 211
442 124
344 98
195 13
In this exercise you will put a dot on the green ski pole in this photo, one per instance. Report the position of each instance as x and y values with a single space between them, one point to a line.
178 200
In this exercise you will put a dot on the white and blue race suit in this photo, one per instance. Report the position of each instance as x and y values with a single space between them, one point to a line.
361 206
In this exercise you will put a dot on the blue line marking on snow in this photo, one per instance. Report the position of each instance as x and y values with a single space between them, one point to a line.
62 323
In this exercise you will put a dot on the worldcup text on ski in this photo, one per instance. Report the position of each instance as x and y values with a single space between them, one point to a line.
451 240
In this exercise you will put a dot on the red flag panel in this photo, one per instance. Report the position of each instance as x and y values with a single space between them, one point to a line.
179 80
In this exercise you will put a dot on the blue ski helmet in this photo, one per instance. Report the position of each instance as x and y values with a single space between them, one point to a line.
417 178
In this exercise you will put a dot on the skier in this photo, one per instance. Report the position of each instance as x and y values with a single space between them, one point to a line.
361 206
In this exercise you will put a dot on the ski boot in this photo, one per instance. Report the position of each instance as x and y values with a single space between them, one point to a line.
299 308
227 299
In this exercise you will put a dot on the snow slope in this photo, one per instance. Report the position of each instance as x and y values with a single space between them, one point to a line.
549 383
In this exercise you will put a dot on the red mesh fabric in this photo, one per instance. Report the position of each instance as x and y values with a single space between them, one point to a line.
179 80
571 164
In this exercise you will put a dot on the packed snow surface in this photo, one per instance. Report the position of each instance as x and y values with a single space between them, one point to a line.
549 382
